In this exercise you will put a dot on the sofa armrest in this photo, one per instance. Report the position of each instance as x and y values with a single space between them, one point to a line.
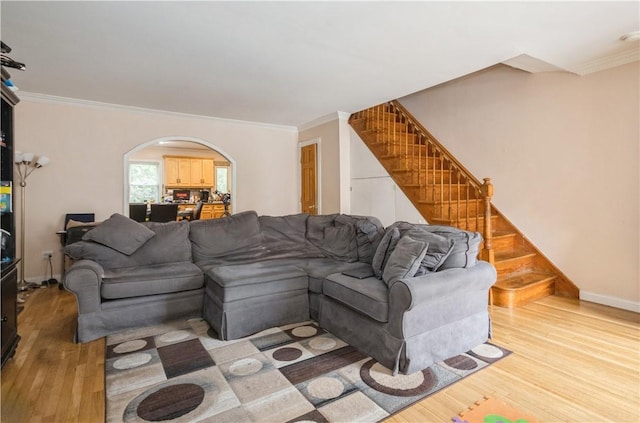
420 303
83 280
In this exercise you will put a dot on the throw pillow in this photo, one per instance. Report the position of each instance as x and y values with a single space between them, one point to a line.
120 233
404 260
385 247
439 249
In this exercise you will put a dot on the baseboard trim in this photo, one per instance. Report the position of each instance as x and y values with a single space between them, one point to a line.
38 279
610 301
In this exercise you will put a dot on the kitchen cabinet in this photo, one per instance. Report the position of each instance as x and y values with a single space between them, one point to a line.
202 173
209 210
188 172
218 210
177 172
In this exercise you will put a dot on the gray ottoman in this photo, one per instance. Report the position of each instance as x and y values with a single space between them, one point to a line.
243 299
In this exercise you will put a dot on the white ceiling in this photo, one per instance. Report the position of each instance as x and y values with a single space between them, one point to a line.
289 63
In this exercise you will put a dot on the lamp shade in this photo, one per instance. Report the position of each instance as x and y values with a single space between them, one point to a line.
18 156
42 161
27 157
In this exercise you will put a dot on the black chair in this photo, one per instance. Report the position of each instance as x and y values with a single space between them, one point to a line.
163 212
197 211
77 217
138 212
73 234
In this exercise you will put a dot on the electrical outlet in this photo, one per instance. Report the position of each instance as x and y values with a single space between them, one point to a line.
46 254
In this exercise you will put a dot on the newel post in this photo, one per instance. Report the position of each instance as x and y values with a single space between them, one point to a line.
487 192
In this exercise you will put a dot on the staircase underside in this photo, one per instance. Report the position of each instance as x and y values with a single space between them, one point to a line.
446 194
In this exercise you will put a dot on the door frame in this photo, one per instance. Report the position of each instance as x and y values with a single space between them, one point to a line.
318 142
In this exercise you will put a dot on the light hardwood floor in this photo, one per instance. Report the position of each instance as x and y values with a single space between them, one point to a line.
572 361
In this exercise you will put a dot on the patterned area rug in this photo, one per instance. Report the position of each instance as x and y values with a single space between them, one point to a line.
180 372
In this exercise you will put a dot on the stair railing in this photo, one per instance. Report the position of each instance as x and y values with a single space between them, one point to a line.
449 191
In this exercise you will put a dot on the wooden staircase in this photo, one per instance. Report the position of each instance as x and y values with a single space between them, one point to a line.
445 193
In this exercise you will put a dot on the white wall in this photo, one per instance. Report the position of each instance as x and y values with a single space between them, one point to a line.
373 192
87 143
563 154
328 131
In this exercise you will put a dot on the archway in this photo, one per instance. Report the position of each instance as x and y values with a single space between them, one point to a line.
174 140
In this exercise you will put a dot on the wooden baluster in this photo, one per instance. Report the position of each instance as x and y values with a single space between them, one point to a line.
487 192
420 138
458 198
441 158
433 170
450 173
406 146
467 191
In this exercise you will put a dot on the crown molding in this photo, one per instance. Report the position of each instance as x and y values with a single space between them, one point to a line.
620 58
323 119
45 98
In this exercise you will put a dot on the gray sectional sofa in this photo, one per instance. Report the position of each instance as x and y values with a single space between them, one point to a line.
407 295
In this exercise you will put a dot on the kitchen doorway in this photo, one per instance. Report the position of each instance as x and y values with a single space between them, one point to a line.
147 164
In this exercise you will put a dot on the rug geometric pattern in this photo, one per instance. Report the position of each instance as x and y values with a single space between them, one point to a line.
180 372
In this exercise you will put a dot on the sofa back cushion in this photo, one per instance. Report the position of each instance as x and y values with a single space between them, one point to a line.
340 243
316 225
440 248
170 244
464 251
369 233
285 236
465 248
236 237
353 238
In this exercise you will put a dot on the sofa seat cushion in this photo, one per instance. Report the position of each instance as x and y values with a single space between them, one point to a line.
318 269
369 296
150 280
232 283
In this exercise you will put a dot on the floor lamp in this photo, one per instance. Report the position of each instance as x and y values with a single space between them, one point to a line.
25 165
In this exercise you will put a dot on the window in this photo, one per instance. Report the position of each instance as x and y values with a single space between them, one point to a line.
144 182
222 179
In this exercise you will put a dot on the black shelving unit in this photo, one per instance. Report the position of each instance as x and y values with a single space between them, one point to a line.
9 288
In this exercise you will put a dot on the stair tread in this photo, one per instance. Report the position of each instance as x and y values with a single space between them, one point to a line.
524 280
502 256
442 220
503 234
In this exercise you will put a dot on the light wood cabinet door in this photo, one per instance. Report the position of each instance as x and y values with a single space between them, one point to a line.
177 172
184 172
196 172
207 173
171 171
201 173
207 212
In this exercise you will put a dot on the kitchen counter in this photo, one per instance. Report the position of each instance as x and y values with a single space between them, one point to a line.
210 210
